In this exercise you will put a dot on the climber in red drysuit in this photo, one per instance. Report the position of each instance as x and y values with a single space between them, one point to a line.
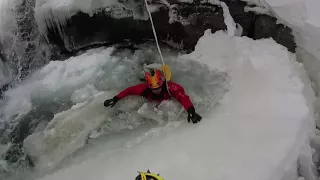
155 89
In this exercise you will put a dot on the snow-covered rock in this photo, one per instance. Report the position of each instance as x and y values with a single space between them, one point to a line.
300 15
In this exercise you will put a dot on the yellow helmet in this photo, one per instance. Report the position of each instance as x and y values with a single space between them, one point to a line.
148 176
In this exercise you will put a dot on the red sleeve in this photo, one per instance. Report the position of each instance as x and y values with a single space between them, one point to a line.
178 93
133 90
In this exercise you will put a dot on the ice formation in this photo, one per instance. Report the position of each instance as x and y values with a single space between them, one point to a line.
51 13
258 131
228 20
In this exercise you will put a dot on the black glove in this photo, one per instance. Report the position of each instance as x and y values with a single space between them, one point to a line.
193 116
110 102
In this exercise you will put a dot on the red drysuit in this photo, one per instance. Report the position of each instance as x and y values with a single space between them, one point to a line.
175 90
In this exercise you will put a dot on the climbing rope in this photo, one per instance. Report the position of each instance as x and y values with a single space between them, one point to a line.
156 38
154 32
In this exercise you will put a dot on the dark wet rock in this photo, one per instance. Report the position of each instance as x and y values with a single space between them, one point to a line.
193 20
266 26
3 85
2 56
183 36
27 125
179 25
3 88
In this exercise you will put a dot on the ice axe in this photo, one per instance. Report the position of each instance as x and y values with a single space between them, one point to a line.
148 176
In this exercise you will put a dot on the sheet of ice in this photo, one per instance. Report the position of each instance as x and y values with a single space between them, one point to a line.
257 132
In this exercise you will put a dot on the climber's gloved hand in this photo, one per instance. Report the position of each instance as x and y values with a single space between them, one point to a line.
111 102
193 116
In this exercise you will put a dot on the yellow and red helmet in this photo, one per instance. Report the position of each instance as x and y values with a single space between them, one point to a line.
154 79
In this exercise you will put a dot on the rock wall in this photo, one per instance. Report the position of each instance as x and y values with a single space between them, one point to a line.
266 26
179 25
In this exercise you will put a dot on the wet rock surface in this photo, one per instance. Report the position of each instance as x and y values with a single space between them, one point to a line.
180 25
266 27
128 29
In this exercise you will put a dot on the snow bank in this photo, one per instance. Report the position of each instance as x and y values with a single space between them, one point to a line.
257 132
302 16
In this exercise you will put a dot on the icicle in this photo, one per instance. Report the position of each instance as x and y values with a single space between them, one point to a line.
228 20
52 16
